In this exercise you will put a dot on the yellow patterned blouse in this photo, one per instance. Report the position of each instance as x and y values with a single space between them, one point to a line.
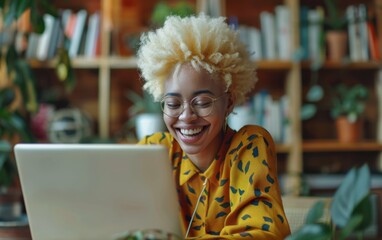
241 199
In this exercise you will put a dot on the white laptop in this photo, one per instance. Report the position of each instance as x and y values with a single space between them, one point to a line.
96 191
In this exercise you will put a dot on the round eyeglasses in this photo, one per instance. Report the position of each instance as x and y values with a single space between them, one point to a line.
201 105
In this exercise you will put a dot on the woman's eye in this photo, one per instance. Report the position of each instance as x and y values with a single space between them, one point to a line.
173 105
202 103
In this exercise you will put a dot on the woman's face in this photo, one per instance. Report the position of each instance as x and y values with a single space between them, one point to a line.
197 135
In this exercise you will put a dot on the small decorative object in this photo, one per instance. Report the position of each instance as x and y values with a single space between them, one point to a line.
69 126
40 120
348 105
149 234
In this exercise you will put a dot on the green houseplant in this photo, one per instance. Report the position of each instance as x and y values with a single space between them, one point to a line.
347 106
335 25
350 210
334 20
145 114
163 9
18 94
349 101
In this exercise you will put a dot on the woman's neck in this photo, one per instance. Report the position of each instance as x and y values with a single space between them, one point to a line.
204 159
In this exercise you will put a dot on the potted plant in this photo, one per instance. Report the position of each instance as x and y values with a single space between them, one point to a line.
18 94
350 210
145 114
347 107
163 9
336 34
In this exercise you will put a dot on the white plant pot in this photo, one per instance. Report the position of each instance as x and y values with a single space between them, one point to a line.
149 123
242 116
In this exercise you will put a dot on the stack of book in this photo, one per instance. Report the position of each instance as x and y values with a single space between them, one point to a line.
78 32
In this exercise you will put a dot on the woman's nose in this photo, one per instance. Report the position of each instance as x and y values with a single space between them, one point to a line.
188 113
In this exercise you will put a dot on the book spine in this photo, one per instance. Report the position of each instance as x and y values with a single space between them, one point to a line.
283 25
373 42
269 35
77 33
364 41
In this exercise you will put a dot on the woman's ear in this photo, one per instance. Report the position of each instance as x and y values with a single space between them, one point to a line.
230 104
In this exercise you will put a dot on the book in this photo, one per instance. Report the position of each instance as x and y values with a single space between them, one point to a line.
254 43
304 36
92 35
353 33
69 21
373 42
284 34
54 39
77 33
32 45
315 32
363 32
268 31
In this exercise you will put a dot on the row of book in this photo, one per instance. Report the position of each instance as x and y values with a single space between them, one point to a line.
362 36
77 31
272 40
264 110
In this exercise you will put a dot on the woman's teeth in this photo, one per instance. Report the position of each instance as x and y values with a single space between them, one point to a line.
190 132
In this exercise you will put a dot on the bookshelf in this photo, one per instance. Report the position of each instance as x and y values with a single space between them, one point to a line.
113 73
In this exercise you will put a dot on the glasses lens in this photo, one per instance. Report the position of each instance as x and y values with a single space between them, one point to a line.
202 105
172 106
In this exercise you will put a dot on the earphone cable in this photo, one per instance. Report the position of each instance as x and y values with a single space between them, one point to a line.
196 208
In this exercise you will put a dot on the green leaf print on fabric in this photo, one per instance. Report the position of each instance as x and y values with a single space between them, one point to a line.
255 152
223 182
190 189
219 200
270 179
221 214
233 190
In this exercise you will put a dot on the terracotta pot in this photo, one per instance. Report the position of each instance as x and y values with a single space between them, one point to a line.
336 45
348 132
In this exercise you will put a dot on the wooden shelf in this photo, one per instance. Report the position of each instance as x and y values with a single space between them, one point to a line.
283 148
274 65
335 146
90 63
354 66
117 62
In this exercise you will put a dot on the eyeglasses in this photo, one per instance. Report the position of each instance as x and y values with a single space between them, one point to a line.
201 105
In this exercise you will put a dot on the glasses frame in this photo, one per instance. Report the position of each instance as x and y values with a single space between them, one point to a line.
214 99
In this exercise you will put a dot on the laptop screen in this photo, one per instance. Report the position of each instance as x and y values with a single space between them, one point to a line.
96 191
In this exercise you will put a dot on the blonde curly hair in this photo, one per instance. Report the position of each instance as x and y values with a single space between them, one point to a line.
202 41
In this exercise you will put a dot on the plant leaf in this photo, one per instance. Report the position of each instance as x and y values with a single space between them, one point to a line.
308 111
315 93
5 149
318 231
364 209
22 7
350 227
315 213
10 15
350 193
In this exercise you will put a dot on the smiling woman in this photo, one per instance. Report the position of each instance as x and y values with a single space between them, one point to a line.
226 180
